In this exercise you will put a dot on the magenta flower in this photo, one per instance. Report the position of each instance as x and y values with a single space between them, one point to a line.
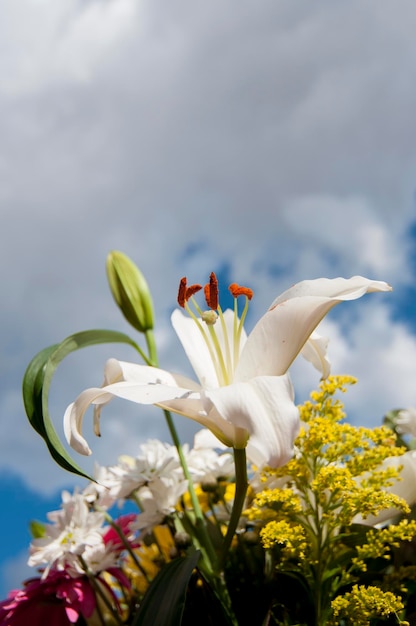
58 600
113 538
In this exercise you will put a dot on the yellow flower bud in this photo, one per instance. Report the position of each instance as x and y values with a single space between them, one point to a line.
130 291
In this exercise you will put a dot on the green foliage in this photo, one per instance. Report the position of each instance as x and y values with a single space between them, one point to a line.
164 601
37 381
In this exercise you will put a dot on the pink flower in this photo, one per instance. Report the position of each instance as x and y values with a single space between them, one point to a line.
113 538
58 600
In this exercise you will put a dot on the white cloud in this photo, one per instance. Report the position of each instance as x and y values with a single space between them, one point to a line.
379 352
345 231
46 42
273 139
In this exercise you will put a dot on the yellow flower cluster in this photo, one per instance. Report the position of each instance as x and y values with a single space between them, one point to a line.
380 542
307 509
336 472
291 538
362 604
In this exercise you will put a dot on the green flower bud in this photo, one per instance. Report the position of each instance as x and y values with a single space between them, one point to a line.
130 291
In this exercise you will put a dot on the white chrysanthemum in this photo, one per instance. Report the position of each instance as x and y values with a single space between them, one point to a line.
117 482
74 531
158 500
205 463
99 493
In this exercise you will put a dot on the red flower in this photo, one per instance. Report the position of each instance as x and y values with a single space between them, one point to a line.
112 536
58 600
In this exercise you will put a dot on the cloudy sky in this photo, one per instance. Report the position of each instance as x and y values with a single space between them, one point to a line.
270 141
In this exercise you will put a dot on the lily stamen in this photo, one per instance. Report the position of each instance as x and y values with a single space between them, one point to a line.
238 290
211 292
185 292
224 346
182 292
192 290
238 328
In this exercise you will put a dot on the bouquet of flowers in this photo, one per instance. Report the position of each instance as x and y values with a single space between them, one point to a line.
277 514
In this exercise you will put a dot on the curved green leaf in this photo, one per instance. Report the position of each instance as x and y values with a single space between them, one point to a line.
164 601
32 388
37 381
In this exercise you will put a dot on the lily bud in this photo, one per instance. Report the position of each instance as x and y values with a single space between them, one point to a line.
130 291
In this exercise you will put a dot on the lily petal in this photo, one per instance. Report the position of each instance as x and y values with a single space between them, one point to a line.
282 332
199 350
119 371
144 385
196 348
264 407
202 410
315 351
338 288
146 375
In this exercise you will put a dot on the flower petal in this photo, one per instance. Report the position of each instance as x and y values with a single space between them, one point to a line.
196 347
338 288
142 384
282 332
264 407
202 410
315 351
205 439
199 347
117 371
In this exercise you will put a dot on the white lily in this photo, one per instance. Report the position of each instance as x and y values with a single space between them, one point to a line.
244 395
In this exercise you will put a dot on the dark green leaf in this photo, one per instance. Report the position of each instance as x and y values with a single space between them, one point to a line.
164 601
37 381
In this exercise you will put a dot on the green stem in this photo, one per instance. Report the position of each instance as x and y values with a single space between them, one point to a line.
151 346
241 484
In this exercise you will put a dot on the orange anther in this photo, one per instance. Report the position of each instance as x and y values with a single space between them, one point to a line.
185 292
236 291
192 289
182 292
211 292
